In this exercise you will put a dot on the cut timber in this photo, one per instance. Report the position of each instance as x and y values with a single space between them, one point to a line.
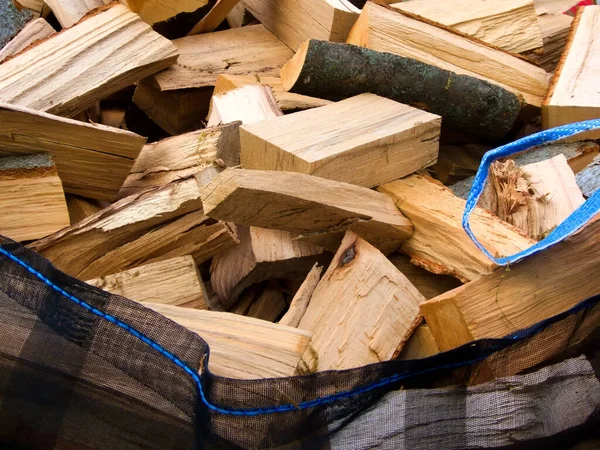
365 140
171 282
152 11
294 21
302 298
287 101
337 71
305 204
92 160
456 162
385 30
535 289
32 200
555 30
574 94
59 76
249 104
36 6
537 197
439 243
143 228
511 25
269 305
36 30
242 347
239 51
239 16
69 12
81 208
588 179
181 156
420 345
263 254
214 17
362 311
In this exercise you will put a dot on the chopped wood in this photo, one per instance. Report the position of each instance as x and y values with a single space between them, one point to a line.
262 254
307 205
456 162
248 104
12 20
439 243
511 25
269 305
588 179
465 103
32 202
404 34
239 51
362 311
574 95
182 156
421 344
386 140
92 160
242 347
112 117
153 11
143 228
506 301
37 7
238 16
214 17
302 298
34 31
298 20
125 50
81 208
69 12
147 283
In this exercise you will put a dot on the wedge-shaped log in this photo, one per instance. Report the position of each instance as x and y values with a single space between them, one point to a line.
35 30
365 140
69 12
173 282
214 17
574 94
386 30
81 208
152 11
92 160
362 311
500 303
511 25
248 104
439 244
32 200
239 51
142 228
60 75
242 347
302 298
421 344
306 205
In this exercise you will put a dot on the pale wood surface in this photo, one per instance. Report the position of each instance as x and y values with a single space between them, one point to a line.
35 30
439 243
365 140
386 30
506 301
249 104
214 17
92 160
235 18
421 344
239 51
242 347
152 11
69 12
81 208
302 298
32 200
511 24
362 311
171 282
294 21
305 204
60 75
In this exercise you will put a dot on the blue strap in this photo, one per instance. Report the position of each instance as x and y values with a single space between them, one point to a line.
569 226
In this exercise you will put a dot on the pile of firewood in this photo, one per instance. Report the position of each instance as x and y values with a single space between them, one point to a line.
288 178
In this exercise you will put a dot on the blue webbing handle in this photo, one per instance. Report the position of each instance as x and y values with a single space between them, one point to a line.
570 225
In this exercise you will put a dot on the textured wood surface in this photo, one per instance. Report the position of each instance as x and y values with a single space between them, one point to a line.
152 11
421 344
69 12
35 30
588 179
81 208
248 104
214 17
302 298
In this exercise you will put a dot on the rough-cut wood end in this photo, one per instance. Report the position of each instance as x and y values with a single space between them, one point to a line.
292 69
359 34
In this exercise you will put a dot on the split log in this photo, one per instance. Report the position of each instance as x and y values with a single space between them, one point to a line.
337 71
34 31
182 156
242 347
81 208
439 243
298 20
269 304
588 179
173 282
302 298
384 139
239 16
153 11
37 7
239 51
404 34
214 17
125 50
143 228
421 344
307 205
535 289
456 163
32 200
263 254
362 311
511 25
69 12
249 104
573 94
92 160
12 21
